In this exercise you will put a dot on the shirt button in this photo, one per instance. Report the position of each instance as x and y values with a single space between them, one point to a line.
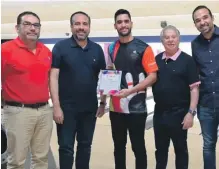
210 51
212 71
212 82
210 60
213 92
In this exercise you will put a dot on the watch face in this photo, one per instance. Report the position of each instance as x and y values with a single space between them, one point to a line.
194 112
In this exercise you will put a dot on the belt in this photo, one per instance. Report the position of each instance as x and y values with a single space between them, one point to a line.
34 106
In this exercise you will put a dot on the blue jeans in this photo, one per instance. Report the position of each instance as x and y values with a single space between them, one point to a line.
80 125
209 120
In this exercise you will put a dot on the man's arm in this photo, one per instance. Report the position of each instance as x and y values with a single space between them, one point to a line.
101 109
194 82
5 53
194 56
53 84
194 96
102 67
150 79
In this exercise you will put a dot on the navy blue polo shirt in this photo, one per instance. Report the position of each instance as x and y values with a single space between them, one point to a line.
78 73
206 55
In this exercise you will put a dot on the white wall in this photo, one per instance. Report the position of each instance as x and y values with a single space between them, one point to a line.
157 47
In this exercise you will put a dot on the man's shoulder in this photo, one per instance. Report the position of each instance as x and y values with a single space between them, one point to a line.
140 44
64 42
186 57
196 40
184 54
42 45
159 56
139 41
94 44
8 45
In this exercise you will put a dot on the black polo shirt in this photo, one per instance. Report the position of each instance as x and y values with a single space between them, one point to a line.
172 88
79 68
206 55
135 59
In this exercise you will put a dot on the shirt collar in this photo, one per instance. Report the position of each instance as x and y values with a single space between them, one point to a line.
21 44
74 43
174 57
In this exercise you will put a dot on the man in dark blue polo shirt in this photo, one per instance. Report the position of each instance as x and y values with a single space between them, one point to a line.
176 97
76 64
205 51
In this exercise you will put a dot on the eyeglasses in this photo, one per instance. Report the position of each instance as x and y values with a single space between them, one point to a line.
29 25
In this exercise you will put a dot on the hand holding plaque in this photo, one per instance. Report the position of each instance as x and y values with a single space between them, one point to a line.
110 81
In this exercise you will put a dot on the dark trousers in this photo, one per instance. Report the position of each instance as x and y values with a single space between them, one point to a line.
209 120
135 125
80 125
164 132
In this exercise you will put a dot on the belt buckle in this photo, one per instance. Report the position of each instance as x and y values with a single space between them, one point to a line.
37 105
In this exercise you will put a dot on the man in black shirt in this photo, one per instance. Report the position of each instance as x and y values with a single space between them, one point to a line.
128 108
176 96
205 51
76 63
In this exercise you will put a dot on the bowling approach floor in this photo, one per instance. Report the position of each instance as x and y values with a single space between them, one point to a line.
102 148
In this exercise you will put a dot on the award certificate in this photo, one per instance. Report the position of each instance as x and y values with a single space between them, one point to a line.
110 81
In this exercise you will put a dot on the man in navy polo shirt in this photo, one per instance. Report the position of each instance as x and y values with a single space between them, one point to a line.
176 96
205 51
76 64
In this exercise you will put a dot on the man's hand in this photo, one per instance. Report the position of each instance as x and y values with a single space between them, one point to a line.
100 111
58 115
123 93
188 121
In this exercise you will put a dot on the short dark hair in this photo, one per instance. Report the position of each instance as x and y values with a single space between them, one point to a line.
79 12
120 12
201 7
19 17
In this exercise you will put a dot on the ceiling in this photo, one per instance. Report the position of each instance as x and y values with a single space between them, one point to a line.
146 15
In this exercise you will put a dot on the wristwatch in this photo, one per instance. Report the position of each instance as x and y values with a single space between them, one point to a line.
193 112
102 103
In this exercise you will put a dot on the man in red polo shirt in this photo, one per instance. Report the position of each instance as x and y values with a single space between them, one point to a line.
27 117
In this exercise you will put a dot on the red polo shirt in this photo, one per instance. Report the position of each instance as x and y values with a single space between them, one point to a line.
25 74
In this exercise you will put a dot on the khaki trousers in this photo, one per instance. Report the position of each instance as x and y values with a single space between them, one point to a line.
28 129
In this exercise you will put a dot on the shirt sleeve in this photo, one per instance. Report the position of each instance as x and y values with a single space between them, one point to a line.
148 60
192 73
56 56
4 55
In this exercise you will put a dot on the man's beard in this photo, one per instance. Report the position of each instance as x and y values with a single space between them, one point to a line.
125 34
80 38
208 30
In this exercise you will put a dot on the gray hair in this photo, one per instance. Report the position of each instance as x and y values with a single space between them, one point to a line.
169 27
